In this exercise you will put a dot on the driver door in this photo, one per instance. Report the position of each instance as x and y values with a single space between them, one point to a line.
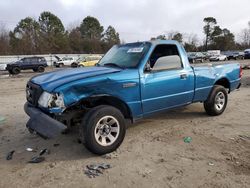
169 86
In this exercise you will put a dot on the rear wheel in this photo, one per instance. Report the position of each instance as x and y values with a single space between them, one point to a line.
40 69
217 101
74 65
103 129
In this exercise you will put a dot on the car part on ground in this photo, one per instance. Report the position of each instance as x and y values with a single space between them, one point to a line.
10 155
36 159
2 119
44 151
94 170
246 67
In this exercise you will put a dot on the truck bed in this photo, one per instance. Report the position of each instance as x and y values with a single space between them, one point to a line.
206 75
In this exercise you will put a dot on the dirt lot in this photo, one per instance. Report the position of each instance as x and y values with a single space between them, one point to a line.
153 153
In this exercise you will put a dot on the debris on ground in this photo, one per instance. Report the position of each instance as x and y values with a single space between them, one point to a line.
44 151
36 159
10 155
110 155
211 164
246 67
30 149
56 144
187 139
244 137
2 119
94 170
144 172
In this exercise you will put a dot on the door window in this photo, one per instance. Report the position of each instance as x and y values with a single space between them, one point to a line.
165 57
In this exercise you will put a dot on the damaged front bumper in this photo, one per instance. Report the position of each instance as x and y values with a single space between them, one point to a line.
41 123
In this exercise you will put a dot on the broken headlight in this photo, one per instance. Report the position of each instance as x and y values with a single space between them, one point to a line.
49 100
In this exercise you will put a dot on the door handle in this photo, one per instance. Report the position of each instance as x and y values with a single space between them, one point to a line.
183 76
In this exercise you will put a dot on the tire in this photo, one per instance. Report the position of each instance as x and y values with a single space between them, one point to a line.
74 65
60 65
10 71
16 70
96 136
217 101
40 69
35 70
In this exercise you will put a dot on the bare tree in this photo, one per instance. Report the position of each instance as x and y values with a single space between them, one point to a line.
245 36
4 40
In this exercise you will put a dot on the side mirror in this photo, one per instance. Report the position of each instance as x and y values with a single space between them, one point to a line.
148 68
167 62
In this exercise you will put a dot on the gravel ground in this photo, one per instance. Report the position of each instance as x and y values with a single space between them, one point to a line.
153 153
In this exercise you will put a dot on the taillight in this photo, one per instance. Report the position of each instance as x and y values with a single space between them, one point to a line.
241 72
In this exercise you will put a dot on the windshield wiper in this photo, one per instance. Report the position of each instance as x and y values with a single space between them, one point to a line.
113 64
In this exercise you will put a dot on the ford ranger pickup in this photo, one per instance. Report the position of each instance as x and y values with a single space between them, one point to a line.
130 82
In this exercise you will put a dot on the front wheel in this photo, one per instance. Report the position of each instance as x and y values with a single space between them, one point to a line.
103 129
16 70
217 101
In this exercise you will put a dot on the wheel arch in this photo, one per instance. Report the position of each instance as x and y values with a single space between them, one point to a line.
223 82
104 99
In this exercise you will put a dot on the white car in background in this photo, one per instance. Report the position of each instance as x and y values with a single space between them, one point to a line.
66 61
3 67
219 57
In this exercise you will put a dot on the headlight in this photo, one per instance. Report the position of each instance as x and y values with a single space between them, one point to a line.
49 100
44 99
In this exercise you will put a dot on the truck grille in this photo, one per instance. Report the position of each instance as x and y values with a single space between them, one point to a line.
33 92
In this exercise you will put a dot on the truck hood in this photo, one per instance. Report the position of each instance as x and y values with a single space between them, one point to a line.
50 81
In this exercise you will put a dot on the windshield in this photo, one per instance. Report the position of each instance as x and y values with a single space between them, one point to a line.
125 56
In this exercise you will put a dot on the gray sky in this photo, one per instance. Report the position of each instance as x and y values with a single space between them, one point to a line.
135 19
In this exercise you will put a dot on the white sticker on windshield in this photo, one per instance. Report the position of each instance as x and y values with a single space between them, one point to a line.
135 50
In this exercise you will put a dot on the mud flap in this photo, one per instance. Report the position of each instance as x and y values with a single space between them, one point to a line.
42 124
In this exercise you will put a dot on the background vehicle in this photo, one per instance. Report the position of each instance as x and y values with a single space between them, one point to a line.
235 55
130 82
220 57
37 64
3 67
56 59
66 61
247 54
194 57
89 61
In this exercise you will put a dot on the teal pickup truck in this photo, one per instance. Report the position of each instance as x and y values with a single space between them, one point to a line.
130 82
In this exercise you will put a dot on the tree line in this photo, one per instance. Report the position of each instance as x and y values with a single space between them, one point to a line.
48 35
216 38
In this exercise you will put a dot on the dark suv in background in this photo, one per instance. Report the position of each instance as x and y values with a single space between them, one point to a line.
37 64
